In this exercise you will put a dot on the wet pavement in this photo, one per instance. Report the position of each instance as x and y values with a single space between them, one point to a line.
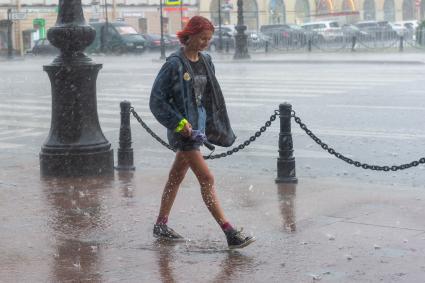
351 227
100 230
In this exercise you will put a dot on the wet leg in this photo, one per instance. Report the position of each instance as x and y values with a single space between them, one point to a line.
175 178
206 180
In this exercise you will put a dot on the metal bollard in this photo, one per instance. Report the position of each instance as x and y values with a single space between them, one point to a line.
309 43
286 160
400 48
125 152
353 43
267 47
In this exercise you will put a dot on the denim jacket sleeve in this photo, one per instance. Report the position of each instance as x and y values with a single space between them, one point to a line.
161 100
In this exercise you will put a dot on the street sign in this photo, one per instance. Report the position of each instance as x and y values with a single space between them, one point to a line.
173 2
19 16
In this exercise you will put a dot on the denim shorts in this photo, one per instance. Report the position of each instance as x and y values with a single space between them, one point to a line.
181 143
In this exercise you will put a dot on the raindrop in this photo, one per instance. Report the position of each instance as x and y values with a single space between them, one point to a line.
316 277
77 265
349 257
376 247
250 188
330 237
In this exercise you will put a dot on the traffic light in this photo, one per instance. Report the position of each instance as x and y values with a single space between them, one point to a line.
173 2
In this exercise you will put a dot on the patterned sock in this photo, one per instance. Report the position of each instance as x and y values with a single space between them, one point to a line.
162 220
226 227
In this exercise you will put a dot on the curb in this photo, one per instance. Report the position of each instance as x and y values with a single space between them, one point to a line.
302 61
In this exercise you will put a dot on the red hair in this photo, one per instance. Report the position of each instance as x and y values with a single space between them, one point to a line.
196 24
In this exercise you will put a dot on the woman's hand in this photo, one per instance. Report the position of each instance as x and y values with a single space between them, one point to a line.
187 130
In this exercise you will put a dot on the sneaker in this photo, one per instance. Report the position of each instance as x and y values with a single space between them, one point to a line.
237 239
164 232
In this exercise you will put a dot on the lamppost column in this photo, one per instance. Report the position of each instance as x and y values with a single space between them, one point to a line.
241 48
220 36
162 31
9 34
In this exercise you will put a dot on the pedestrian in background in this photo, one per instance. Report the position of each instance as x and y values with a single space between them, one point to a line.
186 98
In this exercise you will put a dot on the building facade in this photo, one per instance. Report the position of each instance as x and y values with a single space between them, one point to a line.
33 17
37 16
260 12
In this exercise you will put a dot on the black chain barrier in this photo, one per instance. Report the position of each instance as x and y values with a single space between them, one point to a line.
215 156
349 160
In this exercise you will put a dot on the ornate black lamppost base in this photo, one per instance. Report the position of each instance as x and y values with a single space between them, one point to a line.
75 145
89 164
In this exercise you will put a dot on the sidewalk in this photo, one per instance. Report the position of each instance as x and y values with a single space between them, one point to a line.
100 229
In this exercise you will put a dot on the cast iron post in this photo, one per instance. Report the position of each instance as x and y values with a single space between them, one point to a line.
241 46
9 34
125 152
181 15
220 36
400 47
353 43
286 160
162 31
75 145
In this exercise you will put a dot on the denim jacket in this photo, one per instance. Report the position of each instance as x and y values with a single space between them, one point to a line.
171 99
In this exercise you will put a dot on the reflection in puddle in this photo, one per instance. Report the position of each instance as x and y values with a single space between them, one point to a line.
233 265
286 196
126 183
76 215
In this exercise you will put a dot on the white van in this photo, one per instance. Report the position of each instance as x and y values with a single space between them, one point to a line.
326 30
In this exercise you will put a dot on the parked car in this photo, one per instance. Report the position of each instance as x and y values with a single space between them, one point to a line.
411 24
227 29
173 40
153 41
227 38
400 29
349 31
44 47
119 38
324 30
284 35
257 39
411 27
377 30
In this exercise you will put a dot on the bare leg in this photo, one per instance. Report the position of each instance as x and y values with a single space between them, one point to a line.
175 178
206 180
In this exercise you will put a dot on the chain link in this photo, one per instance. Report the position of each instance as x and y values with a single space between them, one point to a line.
349 160
215 156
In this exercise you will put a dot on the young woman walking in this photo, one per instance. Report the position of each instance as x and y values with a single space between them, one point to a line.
186 98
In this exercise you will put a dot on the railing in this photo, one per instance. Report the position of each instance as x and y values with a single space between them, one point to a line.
341 42
285 161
